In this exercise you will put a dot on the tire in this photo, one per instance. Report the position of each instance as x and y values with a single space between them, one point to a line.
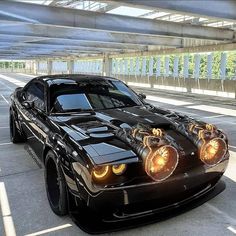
55 185
15 135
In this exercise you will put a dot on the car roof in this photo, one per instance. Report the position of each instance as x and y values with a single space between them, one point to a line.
72 78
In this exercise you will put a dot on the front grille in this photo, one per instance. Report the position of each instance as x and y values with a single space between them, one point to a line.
163 203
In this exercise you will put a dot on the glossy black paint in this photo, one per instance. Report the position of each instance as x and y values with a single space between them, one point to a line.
86 139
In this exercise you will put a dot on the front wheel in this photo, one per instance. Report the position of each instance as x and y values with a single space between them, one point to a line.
55 185
15 135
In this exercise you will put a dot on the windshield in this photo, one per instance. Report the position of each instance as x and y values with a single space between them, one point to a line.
91 95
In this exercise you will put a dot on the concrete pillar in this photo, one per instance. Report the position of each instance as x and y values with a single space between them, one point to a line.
176 66
151 66
71 65
186 74
121 67
158 67
92 67
223 62
12 66
96 68
34 67
49 67
186 66
144 66
88 66
83 65
131 67
167 66
126 66
114 67
137 72
107 65
209 66
197 60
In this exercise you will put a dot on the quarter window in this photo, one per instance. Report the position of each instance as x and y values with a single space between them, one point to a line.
35 93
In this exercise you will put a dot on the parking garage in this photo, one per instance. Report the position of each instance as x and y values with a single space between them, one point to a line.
181 54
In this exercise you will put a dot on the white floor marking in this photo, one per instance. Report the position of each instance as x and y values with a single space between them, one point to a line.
213 93
4 99
211 117
187 113
31 76
2 144
6 212
219 212
12 80
232 229
144 85
179 89
225 122
3 84
167 100
49 230
218 110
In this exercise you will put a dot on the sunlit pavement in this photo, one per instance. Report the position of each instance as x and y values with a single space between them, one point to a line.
24 207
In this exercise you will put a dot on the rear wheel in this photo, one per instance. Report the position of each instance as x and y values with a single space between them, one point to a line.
55 185
15 135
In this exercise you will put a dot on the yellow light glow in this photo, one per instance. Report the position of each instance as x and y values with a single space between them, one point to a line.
162 162
213 151
101 172
119 169
159 162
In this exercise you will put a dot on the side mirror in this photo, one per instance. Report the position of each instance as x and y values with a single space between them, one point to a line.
142 96
28 105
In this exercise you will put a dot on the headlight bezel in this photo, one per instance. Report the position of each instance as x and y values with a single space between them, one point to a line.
162 174
109 171
222 151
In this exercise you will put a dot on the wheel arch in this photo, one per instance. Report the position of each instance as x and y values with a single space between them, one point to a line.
46 149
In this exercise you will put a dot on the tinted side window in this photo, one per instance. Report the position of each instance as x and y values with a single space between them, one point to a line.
35 92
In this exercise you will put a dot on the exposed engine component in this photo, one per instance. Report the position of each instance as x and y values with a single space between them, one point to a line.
160 158
210 141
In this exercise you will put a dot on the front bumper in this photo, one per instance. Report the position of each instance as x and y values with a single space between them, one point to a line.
121 203
95 224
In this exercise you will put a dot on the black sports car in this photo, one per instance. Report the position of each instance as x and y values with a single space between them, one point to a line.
105 148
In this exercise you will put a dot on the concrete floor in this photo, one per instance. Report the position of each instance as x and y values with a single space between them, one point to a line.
24 206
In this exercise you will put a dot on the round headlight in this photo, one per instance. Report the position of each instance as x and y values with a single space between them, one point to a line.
213 151
119 169
160 164
101 172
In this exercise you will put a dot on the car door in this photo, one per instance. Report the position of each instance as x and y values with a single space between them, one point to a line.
35 118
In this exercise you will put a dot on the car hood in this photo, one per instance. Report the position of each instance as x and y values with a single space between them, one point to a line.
94 131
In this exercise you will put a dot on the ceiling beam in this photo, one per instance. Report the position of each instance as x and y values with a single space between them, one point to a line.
61 43
224 10
75 34
169 51
65 17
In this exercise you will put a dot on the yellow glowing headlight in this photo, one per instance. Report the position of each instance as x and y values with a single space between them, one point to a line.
160 164
119 169
213 151
101 172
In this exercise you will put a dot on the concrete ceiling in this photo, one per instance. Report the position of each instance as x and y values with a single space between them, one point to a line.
60 30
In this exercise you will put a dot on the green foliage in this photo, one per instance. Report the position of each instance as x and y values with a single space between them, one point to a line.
11 64
216 64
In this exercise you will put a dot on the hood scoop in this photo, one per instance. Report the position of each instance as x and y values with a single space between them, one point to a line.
96 129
